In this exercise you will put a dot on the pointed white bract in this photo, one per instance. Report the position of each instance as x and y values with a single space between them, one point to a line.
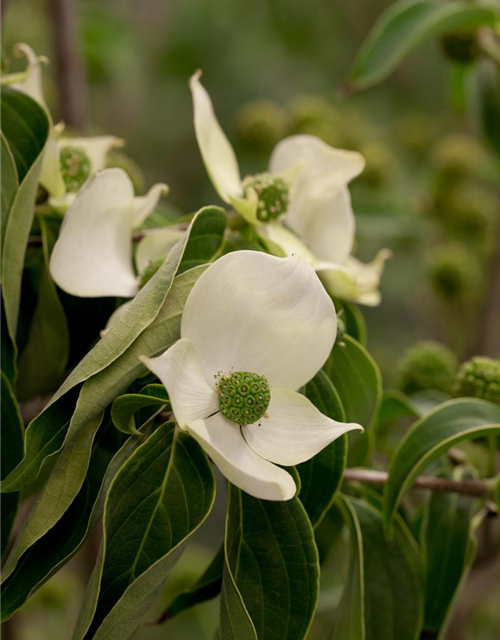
93 254
319 225
252 312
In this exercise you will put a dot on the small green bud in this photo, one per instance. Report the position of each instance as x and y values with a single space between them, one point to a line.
479 377
427 365
461 46
150 271
243 397
261 124
454 271
123 161
273 195
75 167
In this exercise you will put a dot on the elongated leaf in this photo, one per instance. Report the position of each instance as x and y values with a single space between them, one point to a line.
355 324
125 407
61 542
356 378
432 435
394 405
25 126
208 586
157 500
43 361
102 367
12 452
10 183
272 563
383 594
61 488
322 475
445 543
406 25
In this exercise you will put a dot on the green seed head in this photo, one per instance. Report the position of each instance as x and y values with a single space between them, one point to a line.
427 365
479 377
243 397
75 167
273 195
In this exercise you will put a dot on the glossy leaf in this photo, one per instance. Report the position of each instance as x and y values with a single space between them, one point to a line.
433 435
403 27
271 569
383 594
157 500
43 361
322 475
125 407
357 381
112 364
25 126
446 548
12 452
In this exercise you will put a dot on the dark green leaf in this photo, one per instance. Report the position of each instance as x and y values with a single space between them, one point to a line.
445 544
395 405
271 568
125 407
432 435
12 452
160 496
352 317
10 183
356 378
383 594
322 475
403 27
486 101
43 361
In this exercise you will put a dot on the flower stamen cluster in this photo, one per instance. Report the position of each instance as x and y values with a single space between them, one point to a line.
243 397
273 195
75 167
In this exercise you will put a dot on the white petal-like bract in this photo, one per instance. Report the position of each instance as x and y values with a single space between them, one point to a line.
294 430
254 312
216 150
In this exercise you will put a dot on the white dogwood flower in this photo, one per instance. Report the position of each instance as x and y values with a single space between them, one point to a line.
300 207
254 330
93 254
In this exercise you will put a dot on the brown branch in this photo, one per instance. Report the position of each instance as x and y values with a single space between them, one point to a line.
473 488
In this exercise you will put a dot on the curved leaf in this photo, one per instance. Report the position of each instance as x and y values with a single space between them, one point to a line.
10 183
159 497
383 594
125 407
403 27
272 565
432 435
320 477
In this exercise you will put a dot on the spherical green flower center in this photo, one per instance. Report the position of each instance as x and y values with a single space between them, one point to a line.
479 377
75 167
243 397
273 195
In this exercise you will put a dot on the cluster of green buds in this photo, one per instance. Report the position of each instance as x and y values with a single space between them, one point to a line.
75 168
243 397
273 195
454 271
479 377
427 365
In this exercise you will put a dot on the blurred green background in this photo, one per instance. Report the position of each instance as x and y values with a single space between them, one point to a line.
274 68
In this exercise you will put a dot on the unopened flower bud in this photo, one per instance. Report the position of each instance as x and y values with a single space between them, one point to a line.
454 271
427 365
479 377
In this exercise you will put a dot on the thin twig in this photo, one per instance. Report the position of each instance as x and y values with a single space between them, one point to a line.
473 488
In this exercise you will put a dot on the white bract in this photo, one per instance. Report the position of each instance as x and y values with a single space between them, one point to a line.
93 254
303 201
255 329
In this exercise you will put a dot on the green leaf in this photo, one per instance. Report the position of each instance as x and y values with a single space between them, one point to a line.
12 452
159 498
25 126
485 97
10 183
43 361
271 569
432 435
321 476
208 586
357 380
395 405
150 325
353 319
403 27
383 594
445 544
125 407
61 542
61 488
